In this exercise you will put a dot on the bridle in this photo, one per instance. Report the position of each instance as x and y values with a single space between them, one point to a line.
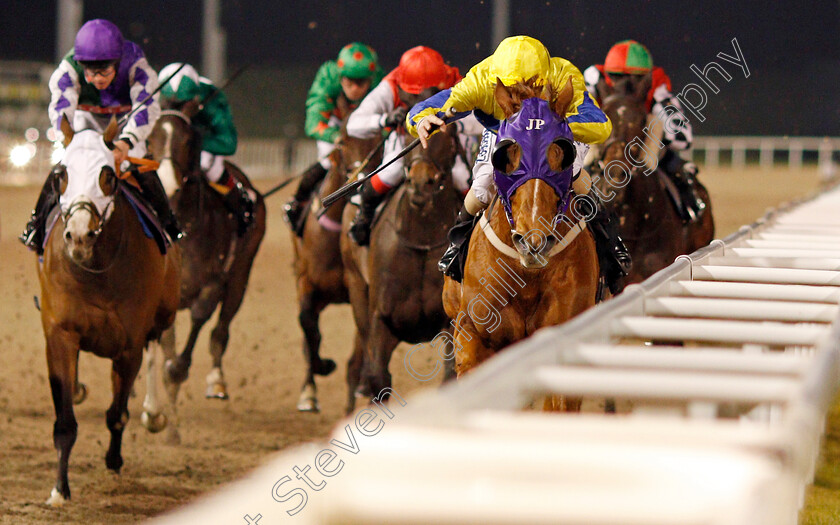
184 118
90 208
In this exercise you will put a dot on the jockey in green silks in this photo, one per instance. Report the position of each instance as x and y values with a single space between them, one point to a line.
351 76
214 124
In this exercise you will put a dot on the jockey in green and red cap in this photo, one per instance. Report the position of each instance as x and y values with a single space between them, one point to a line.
351 76
631 60
214 124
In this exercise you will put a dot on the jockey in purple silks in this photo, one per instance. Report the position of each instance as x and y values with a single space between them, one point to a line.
104 75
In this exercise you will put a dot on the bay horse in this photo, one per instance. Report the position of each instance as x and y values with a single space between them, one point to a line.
105 288
531 263
319 270
216 262
394 283
649 222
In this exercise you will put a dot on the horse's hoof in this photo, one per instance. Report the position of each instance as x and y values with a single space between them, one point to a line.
217 391
55 499
114 463
327 367
80 395
363 390
153 424
308 405
308 400
176 372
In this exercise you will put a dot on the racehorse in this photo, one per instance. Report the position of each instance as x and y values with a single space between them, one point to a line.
395 285
105 288
531 262
216 262
648 221
319 271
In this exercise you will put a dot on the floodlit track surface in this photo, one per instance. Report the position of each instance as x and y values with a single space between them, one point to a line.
724 429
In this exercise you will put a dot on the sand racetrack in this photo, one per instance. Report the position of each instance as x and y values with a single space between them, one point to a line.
264 369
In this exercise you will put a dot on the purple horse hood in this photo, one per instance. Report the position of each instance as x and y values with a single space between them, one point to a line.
535 127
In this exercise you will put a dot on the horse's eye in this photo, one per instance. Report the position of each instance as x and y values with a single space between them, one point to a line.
560 154
506 156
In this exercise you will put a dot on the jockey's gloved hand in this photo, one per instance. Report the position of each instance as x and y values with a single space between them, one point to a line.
395 118
690 168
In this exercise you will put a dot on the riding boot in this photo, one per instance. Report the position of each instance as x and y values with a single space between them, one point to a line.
156 195
613 256
33 234
453 259
308 181
360 228
238 202
684 176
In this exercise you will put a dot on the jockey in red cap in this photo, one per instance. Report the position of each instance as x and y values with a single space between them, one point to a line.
631 60
421 73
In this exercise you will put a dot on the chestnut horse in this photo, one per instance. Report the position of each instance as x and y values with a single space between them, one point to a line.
319 271
530 263
105 288
649 223
395 285
216 263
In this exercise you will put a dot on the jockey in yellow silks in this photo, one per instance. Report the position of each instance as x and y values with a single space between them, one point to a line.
516 59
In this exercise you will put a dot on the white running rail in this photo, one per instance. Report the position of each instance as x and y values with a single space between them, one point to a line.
724 430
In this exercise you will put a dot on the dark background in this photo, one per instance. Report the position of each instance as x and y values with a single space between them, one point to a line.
792 51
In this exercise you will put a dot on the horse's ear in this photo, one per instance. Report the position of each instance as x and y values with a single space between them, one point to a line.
602 89
107 181
66 129
643 86
563 99
191 107
504 98
60 172
110 132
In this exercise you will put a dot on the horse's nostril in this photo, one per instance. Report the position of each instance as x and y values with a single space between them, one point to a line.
68 236
91 235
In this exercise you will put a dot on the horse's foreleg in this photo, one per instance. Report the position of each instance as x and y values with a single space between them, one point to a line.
178 369
471 351
62 360
123 373
167 344
310 312
354 372
380 346
231 301
152 417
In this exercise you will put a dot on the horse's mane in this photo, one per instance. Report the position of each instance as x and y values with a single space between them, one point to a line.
531 88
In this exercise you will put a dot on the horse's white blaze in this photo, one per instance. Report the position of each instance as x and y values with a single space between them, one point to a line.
166 171
79 245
